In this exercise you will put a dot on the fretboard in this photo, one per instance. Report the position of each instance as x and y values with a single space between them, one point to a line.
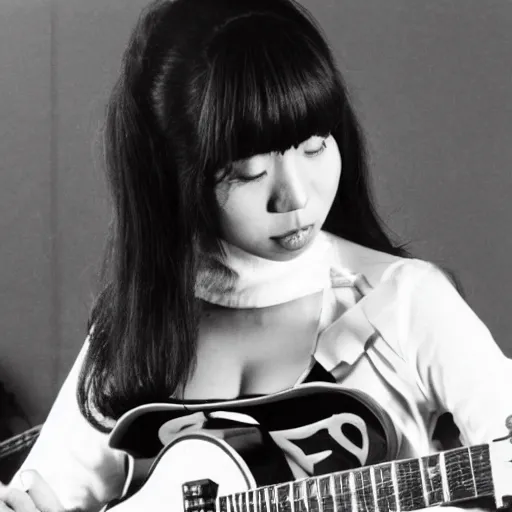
411 484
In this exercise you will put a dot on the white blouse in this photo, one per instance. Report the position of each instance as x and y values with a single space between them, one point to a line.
394 328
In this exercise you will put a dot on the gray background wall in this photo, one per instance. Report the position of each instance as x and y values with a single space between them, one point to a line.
431 80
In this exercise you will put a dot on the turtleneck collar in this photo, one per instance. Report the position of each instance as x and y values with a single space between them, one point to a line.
244 280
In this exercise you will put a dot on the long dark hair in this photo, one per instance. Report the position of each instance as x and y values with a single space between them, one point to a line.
203 83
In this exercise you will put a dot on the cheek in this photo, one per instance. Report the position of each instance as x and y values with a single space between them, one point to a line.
328 180
240 213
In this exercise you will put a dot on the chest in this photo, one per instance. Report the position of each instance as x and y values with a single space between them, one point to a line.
254 351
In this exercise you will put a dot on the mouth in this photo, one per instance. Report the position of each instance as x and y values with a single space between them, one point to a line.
295 239
291 232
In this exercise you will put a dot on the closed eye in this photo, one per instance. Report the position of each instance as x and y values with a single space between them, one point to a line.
247 179
315 152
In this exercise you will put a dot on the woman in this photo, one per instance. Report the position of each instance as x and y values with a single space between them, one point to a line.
245 255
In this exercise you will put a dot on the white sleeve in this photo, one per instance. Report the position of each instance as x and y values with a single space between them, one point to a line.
460 366
72 456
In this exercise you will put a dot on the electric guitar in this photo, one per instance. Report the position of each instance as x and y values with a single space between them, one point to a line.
261 455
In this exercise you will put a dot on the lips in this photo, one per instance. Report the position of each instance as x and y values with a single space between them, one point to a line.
292 232
296 239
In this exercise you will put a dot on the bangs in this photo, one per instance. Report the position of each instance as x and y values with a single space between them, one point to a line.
269 88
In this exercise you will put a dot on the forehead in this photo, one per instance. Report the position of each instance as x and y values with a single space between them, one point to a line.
260 100
312 141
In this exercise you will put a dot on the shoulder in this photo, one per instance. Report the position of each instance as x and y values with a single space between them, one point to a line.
396 281
376 266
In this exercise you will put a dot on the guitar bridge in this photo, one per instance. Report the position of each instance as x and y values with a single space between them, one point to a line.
199 496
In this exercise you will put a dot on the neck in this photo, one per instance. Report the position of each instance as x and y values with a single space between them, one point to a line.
412 484
243 280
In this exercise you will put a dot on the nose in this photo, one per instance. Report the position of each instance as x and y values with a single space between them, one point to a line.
289 192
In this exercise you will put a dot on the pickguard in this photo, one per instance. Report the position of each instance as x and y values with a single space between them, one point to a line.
318 426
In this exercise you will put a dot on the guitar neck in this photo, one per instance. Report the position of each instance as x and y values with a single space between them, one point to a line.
442 478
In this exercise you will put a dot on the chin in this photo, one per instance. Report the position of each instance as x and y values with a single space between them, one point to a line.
285 255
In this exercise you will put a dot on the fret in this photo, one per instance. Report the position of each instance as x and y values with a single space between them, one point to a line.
305 495
299 497
444 478
472 470
387 497
432 478
222 504
259 500
461 484
374 489
394 479
283 498
312 495
231 506
482 473
326 499
409 484
272 499
364 491
291 497
352 489
262 500
238 502
332 492
342 496
319 496
423 483
251 501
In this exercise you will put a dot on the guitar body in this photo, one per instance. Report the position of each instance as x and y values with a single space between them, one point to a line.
312 429
189 458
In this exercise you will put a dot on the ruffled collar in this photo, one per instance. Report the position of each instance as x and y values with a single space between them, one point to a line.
244 280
